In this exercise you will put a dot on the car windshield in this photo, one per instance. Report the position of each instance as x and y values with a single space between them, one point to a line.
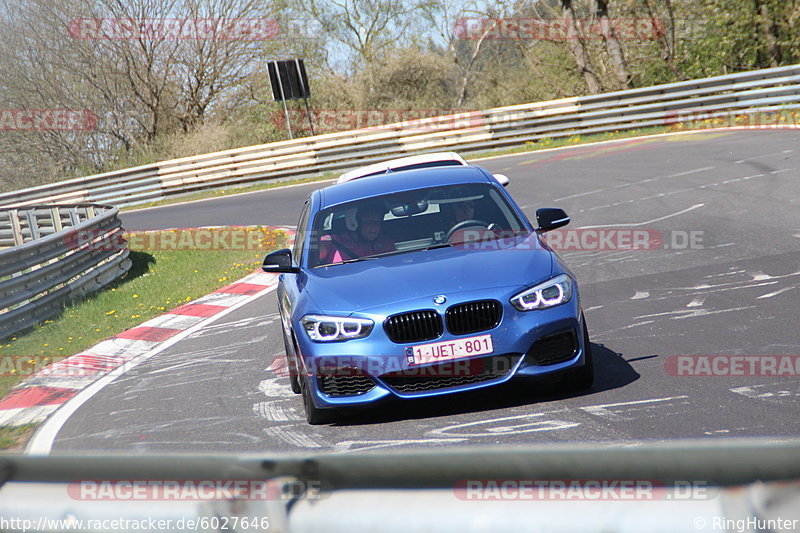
411 221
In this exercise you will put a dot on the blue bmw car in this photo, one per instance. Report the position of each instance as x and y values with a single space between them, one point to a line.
421 280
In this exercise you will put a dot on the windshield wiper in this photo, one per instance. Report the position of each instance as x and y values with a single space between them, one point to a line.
391 252
435 246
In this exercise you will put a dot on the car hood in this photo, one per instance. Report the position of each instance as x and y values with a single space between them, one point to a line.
384 281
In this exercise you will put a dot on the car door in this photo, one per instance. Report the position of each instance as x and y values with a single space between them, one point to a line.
290 287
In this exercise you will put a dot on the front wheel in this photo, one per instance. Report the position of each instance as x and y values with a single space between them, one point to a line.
583 378
291 364
314 415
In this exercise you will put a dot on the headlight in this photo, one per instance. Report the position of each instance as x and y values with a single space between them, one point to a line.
336 328
548 294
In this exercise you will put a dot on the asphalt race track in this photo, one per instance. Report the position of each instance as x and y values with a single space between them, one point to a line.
725 281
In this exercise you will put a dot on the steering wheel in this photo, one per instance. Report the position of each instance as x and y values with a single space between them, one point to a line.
465 224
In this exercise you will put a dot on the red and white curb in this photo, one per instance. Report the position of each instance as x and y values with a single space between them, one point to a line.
38 397
72 381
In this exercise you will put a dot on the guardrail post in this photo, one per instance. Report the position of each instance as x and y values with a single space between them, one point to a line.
73 216
33 224
16 231
55 215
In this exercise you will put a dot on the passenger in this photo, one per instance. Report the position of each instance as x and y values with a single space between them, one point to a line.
365 240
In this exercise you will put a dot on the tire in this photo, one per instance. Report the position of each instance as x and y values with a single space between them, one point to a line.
582 378
314 415
291 364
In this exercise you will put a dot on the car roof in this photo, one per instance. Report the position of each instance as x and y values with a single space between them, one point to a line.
436 159
404 180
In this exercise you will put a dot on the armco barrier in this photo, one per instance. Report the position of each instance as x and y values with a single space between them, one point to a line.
53 254
774 90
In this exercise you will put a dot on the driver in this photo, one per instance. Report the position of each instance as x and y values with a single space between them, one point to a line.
365 240
463 223
463 211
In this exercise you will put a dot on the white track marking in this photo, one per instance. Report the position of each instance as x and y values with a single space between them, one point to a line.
171 321
276 412
361 445
762 156
677 213
696 302
693 171
293 436
687 313
774 392
775 293
272 389
578 195
528 423
607 411
26 415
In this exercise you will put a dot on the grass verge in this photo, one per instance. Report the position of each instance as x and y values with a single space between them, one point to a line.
158 281
548 143
13 439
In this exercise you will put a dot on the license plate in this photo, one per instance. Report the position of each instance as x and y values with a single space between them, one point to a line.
455 349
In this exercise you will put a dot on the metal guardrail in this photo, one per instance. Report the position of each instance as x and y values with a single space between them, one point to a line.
54 254
761 91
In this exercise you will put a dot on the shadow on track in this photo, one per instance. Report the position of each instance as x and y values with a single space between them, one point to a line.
611 372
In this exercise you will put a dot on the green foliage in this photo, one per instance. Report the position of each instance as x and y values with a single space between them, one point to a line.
415 62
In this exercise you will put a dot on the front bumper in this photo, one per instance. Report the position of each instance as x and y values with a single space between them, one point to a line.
526 344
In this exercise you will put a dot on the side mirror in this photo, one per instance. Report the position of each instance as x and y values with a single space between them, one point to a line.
550 218
279 262
502 178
